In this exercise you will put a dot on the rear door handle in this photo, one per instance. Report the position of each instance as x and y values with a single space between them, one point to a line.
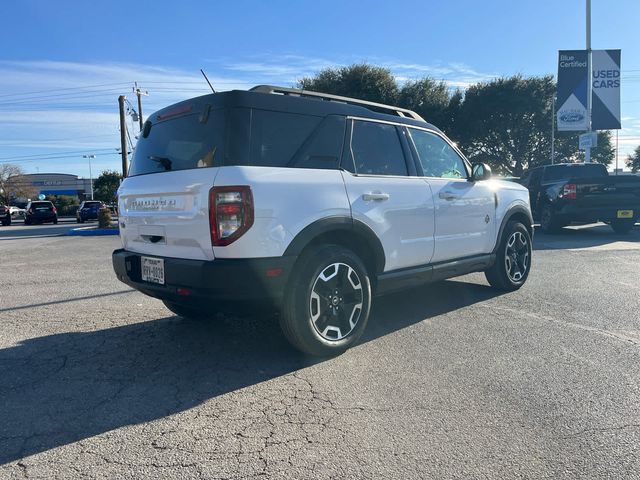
448 196
376 196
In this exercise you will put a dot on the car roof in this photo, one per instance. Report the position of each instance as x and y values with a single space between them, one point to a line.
289 103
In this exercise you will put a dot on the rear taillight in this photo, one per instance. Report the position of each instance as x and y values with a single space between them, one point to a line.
569 191
55 210
30 210
230 213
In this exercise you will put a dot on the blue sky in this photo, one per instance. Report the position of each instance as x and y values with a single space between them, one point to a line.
64 63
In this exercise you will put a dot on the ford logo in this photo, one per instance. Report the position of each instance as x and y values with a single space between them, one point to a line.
571 117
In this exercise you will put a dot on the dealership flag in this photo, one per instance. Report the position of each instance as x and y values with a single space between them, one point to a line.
571 103
605 106
571 111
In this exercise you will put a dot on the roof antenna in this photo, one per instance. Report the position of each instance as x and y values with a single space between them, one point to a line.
205 77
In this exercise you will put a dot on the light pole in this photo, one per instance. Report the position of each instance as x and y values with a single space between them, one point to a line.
90 174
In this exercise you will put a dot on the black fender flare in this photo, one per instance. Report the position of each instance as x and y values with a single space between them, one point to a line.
338 224
515 210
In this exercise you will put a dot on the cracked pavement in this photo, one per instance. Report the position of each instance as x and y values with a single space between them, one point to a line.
452 380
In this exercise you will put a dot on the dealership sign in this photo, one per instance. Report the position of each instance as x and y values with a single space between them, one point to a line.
571 101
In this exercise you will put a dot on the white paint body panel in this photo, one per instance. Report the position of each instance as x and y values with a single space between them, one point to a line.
404 222
462 210
171 205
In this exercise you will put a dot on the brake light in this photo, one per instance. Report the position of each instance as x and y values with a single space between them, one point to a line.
30 210
55 210
230 213
569 191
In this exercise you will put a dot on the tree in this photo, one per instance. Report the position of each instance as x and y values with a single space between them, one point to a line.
428 98
13 184
633 160
506 122
363 81
106 186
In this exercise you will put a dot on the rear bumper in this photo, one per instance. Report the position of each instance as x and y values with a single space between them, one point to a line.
226 282
576 213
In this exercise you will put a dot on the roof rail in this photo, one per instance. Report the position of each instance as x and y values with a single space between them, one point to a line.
401 112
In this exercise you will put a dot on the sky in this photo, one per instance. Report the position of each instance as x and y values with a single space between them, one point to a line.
64 63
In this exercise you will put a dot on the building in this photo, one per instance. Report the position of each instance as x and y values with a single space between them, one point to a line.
59 184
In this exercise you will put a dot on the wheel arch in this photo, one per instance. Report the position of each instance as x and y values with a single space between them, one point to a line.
352 234
517 213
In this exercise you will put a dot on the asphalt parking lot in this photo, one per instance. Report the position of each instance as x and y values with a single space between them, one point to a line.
452 380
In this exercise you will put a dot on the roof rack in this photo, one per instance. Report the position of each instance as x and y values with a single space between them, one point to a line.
401 112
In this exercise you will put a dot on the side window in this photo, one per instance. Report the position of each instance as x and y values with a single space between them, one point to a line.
376 149
437 157
277 136
524 178
323 148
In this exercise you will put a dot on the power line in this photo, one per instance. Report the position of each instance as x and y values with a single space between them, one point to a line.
53 153
62 89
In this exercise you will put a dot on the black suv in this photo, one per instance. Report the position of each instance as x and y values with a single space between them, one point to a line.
40 212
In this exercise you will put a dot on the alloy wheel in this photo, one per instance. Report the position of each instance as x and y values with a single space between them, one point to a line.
336 300
516 258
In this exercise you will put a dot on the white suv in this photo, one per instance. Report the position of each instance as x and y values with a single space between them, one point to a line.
312 204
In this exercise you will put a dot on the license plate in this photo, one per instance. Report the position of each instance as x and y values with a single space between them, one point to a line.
152 270
625 213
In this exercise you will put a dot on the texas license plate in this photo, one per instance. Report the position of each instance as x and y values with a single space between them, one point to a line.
625 213
152 270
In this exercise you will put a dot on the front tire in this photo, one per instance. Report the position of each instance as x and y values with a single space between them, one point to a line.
7 221
327 305
622 227
513 259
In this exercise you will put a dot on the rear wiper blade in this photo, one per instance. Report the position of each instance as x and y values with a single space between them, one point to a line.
164 161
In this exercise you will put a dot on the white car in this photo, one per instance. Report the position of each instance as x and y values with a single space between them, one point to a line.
17 212
312 204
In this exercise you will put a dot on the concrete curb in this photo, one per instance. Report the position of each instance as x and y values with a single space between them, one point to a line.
92 232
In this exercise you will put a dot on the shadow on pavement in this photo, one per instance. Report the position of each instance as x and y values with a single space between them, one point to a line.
16 231
583 237
62 388
66 300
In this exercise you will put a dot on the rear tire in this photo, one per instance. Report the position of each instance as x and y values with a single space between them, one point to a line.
549 222
622 227
6 222
513 259
55 221
326 307
187 312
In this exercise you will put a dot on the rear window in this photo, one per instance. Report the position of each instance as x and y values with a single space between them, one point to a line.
240 136
180 144
42 205
565 172
91 204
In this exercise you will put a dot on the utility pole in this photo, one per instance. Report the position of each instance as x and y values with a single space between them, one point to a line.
90 174
139 94
123 136
553 129
587 150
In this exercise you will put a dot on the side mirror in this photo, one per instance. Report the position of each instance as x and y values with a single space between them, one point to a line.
480 171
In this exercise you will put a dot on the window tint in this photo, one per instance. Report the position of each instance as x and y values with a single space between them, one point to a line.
323 148
376 149
437 157
565 172
534 180
181 143
277 136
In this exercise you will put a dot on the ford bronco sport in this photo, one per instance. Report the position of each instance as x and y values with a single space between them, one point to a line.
312 204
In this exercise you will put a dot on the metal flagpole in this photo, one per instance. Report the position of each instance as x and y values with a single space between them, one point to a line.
617 151
587 150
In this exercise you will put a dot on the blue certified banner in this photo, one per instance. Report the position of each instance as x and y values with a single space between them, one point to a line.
571 103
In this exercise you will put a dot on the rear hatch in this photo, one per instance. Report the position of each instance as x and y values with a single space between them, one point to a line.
164 203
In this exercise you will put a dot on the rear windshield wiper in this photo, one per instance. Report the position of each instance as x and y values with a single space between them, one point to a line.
164 161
